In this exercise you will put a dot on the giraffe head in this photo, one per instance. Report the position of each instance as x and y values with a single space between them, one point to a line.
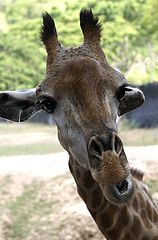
84 94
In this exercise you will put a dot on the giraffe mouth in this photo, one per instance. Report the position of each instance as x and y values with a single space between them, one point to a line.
123 190
119 193
122 187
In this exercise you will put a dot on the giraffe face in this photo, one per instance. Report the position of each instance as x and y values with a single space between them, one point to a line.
84 103
84 95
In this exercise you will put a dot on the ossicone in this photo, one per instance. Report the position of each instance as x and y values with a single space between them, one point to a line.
48 28
90 26
48 33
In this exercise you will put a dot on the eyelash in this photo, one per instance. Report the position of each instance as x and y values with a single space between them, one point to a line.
120 93
48 104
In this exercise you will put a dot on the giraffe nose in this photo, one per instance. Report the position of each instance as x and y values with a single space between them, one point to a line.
98 145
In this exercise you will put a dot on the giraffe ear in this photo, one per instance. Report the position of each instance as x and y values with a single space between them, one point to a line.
132 99
18 105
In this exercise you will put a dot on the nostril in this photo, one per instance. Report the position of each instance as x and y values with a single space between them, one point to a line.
96 147
117 144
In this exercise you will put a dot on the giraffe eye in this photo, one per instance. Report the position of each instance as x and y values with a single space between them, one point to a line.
48 104
120 93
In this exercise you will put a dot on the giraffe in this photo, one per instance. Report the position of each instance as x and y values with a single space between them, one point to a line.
84 94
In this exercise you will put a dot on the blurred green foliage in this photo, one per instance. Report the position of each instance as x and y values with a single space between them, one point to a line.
129 37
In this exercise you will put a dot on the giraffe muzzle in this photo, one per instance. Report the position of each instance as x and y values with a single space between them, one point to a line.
119 193
109 167
123 190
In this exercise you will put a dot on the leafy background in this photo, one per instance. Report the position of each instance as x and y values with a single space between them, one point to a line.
129 37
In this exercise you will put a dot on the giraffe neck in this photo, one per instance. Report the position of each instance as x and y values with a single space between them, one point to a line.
136 220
